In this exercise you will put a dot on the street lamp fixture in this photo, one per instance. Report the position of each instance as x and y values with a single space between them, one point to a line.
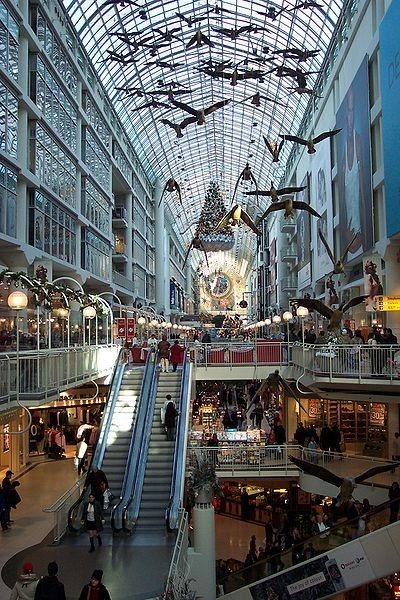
268 322
276 319
302 312
89 312
287 316
18 301
141 320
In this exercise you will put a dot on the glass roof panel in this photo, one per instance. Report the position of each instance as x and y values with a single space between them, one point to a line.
202 53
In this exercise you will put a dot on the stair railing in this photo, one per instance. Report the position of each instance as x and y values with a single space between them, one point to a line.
120 521
178 469
75 511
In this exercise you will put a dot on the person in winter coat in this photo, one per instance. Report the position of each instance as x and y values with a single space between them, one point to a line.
95 590
25 586
176 355
170 417
163 354
92 518
80 455
49 587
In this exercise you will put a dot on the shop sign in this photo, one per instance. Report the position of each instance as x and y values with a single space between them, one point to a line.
377 414
387 303
314 408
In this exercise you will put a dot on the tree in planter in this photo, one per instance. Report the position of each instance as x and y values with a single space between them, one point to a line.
202 480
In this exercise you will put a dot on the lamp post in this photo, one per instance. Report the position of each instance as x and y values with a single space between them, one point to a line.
287 317
141 321
302 312
89 312
17 301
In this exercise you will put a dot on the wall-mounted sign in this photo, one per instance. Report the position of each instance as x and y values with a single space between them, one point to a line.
377 414
386 303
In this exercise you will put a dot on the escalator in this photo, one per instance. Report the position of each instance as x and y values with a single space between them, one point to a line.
322 565
112 448
158 476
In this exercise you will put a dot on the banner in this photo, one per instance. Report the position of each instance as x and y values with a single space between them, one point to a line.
121 328
372 269
303 238
321 200
130 327
389 50
332 291
354 173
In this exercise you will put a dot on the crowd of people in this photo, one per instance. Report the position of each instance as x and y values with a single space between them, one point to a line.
48 587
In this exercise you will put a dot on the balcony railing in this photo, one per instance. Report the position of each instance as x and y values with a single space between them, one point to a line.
231 354
358 362
44 374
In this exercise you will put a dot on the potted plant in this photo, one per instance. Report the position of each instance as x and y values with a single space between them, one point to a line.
203 482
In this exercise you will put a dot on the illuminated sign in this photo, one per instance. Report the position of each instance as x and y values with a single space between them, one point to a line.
384 303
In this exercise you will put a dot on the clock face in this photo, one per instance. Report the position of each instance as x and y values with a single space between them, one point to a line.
220 285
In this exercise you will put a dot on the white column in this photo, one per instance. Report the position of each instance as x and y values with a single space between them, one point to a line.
129 236
203 557
162 260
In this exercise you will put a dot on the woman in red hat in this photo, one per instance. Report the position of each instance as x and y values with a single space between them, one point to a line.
25 586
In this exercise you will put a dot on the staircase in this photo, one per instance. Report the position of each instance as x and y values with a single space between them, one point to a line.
157 479
120 433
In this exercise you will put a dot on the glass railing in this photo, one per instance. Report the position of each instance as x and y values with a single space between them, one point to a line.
178 469
125 515
76 509
342 532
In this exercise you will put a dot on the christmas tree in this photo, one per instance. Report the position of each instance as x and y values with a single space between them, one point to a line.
212 212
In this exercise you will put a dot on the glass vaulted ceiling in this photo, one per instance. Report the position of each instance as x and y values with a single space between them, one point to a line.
232 135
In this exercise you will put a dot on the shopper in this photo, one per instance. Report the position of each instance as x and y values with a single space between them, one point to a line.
394 497
11 496
98 483
95 590
80 456
93 520
176 355
163 354
49 587
170 419
25 586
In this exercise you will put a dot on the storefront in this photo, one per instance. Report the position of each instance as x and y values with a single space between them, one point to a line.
364 425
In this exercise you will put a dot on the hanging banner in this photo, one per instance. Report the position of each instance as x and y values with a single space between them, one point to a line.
121 328
372 269
130 327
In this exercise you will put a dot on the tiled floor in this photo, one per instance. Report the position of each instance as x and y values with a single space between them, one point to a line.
135 568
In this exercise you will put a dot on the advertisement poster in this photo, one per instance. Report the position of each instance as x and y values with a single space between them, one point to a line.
343 568
321 200
372 269
303 238
354 173
389 50
332 291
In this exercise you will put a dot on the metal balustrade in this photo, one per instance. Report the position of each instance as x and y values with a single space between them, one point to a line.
46 373
353 361
254 459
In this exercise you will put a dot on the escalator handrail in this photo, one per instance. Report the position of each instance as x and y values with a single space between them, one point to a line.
330 531
98 454
119 503
144 426
178 469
